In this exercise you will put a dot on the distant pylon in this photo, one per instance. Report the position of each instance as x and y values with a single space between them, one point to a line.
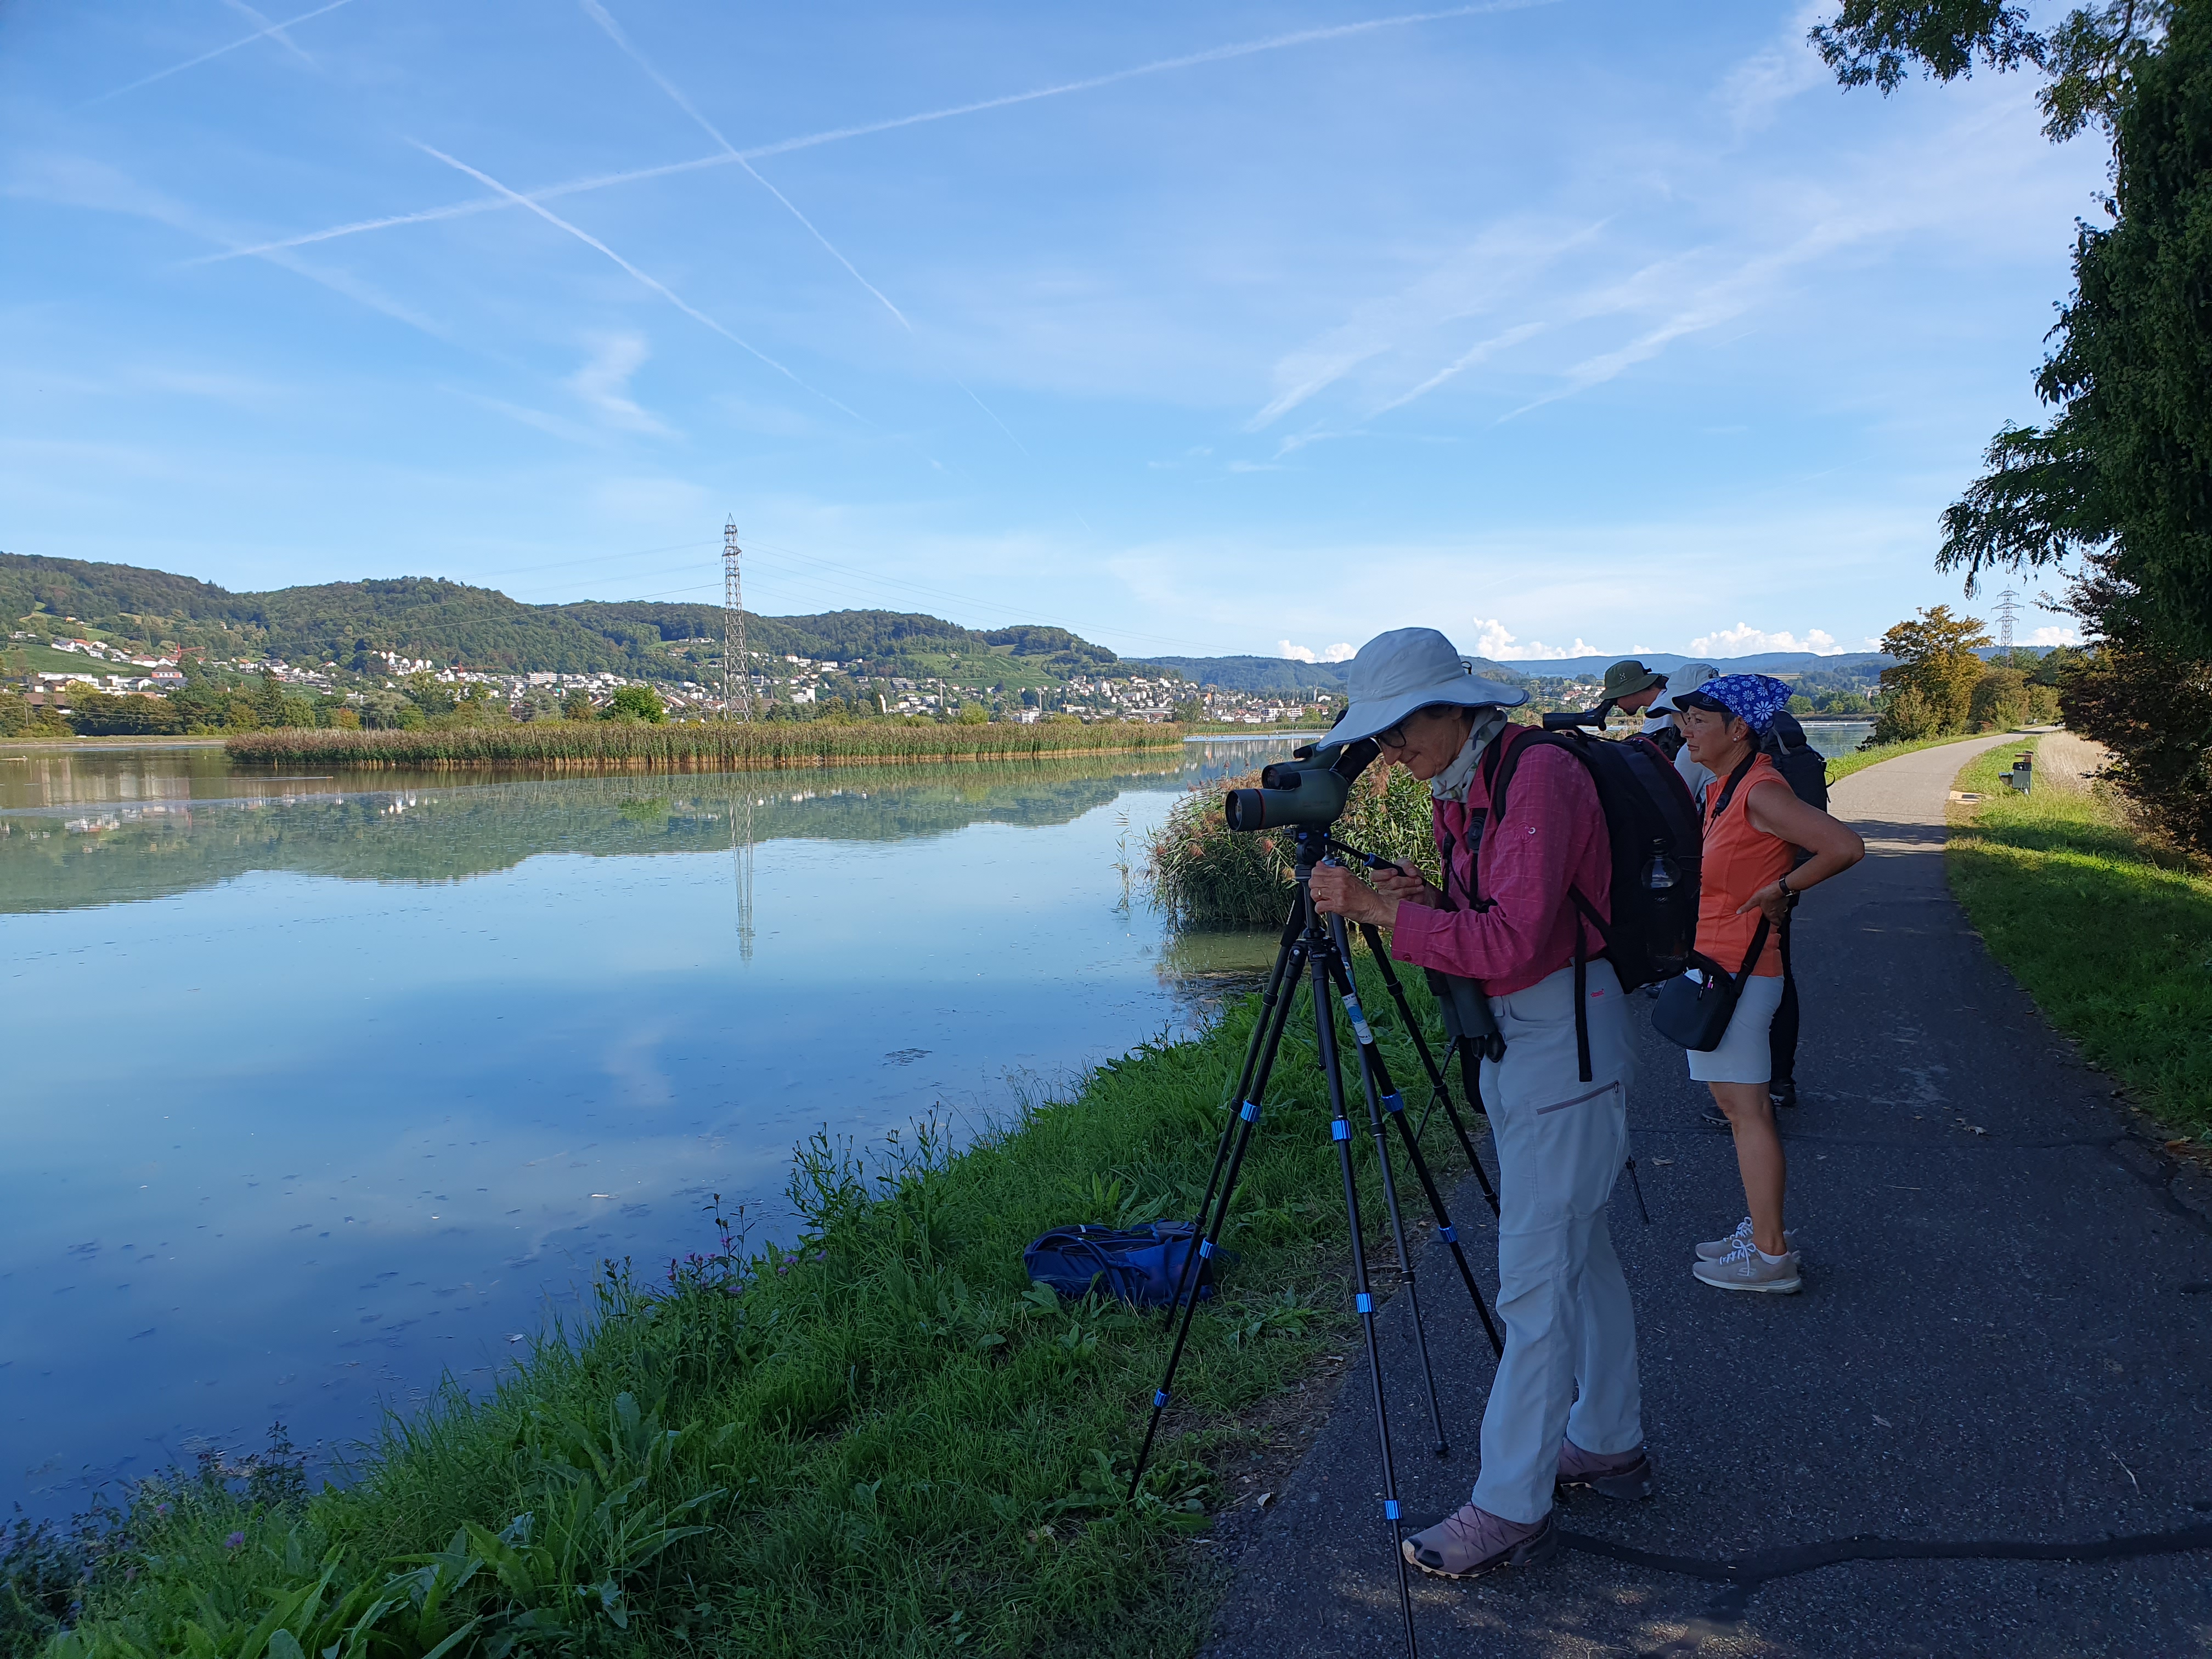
2008 607
736 679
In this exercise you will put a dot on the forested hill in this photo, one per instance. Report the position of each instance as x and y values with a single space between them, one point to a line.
1265 674
451 624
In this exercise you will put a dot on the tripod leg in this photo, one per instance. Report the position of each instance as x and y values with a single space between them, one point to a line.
1373 1066
1439 1088
1638 1186
1248 1116
1339 971
1289 959
1470 1072
1340 1131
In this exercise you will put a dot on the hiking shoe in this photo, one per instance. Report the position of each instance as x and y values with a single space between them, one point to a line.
1626 1475
1714 1250
1743 1268
1473 1541
1782 1094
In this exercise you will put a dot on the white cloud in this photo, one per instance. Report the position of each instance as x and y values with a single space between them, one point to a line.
1491 640
603 382
1307 654
1745 640
2054 636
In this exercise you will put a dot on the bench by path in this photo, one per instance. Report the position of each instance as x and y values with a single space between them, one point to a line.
2004 1344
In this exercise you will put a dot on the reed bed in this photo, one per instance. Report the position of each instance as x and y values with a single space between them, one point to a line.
706 747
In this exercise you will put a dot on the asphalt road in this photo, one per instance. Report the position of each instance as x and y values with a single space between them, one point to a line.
2004 1344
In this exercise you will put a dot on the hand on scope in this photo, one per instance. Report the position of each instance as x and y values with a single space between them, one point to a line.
1338 892
1406 884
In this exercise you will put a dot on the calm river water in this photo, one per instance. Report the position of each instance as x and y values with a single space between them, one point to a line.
321 1088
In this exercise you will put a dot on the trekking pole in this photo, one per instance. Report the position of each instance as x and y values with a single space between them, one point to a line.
1339 1129
1393 1104
1210 1227
1639 1187
1339 971
1290 958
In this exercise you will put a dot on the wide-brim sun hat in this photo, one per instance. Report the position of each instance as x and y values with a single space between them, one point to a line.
1408 669
1688 677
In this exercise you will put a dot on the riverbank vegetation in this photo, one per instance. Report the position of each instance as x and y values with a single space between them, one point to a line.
2107 928
693 745
876 1439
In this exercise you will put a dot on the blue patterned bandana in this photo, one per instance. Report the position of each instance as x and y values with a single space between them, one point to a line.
1754 699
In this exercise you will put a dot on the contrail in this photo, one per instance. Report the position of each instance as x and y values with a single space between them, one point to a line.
836 135
276 30
598 14
654 283
243 40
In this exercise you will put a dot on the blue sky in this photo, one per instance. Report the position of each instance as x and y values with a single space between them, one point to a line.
1564 327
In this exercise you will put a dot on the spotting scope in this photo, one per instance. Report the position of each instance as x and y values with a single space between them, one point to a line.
1307 791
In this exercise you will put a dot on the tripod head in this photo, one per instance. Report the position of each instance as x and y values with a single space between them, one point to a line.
1307 791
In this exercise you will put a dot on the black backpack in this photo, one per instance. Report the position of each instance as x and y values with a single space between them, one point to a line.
1658 844
1803 767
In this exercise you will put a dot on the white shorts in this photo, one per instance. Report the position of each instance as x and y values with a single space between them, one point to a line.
1743 1055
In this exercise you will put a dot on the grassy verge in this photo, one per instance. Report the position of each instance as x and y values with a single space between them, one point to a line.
703 745
1842 766
2112 938
882 1440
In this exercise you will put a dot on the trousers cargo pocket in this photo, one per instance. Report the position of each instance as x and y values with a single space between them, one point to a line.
1561 1106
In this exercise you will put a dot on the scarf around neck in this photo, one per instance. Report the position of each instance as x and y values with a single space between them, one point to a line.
1451 784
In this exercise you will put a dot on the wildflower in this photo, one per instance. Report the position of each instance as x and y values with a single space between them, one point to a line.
161 1508
234 1541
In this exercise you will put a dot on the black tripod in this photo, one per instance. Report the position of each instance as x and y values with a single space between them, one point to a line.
1313 946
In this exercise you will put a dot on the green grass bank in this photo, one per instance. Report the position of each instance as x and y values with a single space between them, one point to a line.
879 1440
2109 933
709 745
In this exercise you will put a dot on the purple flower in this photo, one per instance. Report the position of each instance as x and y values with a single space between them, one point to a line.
234 1541
161 1508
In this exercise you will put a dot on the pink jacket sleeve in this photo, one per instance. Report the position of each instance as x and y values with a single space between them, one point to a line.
1529 861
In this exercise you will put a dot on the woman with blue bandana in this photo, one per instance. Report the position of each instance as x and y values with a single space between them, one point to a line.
1754 824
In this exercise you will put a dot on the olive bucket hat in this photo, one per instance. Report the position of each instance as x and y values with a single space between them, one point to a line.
1409 668
1626 678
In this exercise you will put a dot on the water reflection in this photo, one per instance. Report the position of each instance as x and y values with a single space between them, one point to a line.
319 1092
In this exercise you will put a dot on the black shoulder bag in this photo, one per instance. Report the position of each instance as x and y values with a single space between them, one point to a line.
1696 1012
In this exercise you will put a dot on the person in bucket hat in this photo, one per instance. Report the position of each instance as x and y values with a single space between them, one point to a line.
1564 1408
1630 686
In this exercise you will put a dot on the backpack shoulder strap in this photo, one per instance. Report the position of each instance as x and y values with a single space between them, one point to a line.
1736 777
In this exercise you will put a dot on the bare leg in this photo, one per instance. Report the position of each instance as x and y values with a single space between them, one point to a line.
1750 1113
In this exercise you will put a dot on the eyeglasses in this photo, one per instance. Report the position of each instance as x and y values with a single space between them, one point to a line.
1394 737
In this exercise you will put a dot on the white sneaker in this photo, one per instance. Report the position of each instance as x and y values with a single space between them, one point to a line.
1714 1248
1744 1268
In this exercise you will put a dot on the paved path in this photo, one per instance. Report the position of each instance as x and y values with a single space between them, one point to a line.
2005 1336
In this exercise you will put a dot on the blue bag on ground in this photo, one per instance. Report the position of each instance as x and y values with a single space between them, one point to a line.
1141 1265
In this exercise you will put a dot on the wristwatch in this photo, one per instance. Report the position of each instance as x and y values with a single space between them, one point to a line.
1789 893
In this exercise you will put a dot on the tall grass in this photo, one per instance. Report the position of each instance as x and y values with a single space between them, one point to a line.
2110 933
880 1440
1203 874
691 746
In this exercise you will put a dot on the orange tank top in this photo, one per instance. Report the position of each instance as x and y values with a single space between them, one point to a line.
1739 860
